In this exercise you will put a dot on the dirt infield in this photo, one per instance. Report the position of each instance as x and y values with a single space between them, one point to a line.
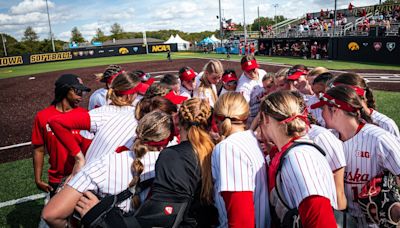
23 97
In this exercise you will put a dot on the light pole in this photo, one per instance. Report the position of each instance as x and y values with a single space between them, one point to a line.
4 44
220 23
51 33
145 42
244 25
275 19
259 23
334 21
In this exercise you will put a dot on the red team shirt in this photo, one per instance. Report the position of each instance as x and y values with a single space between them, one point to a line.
61 163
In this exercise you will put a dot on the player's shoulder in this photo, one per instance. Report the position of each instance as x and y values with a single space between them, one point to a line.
304 150
373 131
261 72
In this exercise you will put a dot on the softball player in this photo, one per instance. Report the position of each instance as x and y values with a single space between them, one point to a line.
188 82
68 94
206 81
251 78
229 82
238 167
99 97
368 148
306 179
113 173
101 121
368 101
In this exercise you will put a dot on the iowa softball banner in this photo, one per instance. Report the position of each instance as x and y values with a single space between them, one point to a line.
85 53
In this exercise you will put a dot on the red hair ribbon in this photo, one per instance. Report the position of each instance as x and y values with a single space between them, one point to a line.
303 116
360 91
326 99
111 78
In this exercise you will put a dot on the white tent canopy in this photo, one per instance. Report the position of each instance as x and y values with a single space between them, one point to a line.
183 45
215 39
171 40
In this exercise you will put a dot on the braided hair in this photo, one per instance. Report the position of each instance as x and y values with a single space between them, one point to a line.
153 127
194 117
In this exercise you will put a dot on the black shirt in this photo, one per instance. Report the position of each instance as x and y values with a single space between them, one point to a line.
178 174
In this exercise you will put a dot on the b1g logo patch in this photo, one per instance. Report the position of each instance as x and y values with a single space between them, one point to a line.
377 46
168 210
390 46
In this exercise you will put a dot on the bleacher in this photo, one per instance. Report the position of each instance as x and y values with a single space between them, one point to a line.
375 20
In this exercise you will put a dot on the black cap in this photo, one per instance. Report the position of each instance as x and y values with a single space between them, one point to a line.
72 81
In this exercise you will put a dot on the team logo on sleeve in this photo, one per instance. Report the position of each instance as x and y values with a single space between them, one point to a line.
390 46
377 46
168 210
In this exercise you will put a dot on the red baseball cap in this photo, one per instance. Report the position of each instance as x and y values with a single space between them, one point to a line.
176 99
229 77
296 75
188 75
250 65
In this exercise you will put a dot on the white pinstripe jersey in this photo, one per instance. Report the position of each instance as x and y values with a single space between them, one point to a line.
331 145
116 132
185 92
385 122
112 174
368 153
317 112
98 99
206 94
305 172
251 88
100 116
239 165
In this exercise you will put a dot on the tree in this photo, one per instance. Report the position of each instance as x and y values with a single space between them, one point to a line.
99 36
30 35
76 36
116 31
266 21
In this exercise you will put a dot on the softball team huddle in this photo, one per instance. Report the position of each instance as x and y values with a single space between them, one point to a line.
214 149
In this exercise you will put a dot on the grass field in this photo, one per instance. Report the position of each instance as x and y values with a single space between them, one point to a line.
16 178
8 72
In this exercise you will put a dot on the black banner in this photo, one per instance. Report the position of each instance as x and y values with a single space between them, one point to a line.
85 53
369 49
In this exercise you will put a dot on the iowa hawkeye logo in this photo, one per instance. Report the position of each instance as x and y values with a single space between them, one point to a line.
353 46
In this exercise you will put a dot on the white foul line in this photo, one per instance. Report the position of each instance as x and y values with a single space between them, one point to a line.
22 200
16 145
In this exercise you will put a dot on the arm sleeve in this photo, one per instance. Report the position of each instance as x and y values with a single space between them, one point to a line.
37 134
316 211
62 125
240 209
388 147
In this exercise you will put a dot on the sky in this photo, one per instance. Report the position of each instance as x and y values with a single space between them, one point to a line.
149 15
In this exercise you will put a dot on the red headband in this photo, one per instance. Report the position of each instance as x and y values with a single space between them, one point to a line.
139 88
325 99
303 116
188 75
360 91
250 65
163 142
111 78
229 77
